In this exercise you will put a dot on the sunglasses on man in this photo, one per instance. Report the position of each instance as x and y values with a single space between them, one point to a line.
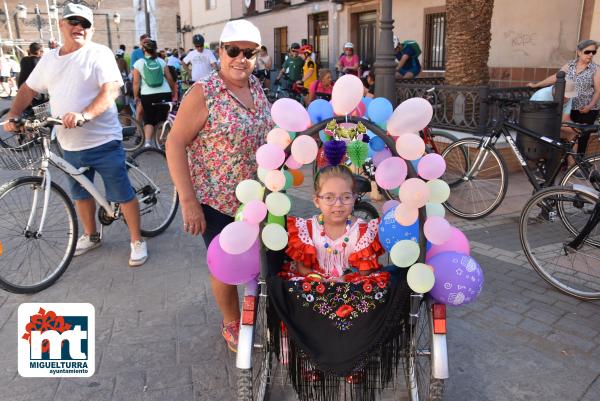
592 52
74 21
233 51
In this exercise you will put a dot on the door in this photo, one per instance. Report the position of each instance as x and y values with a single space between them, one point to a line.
318 36
281 46
367 37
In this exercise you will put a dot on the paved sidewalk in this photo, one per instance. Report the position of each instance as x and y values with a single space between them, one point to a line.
158 339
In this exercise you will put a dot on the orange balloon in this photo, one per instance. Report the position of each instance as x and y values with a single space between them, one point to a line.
297 176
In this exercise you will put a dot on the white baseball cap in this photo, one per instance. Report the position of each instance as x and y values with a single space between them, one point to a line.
78 10
349 45
240 30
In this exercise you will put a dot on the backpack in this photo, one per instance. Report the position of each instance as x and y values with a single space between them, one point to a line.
153 73
414 45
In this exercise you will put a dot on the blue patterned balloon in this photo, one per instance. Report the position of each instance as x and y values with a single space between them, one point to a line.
458 278
390 231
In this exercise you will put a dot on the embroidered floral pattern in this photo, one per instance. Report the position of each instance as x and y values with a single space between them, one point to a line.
342 302
223 153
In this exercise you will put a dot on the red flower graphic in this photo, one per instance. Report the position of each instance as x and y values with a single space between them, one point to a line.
344 310
367 287
43 321
320 288
306 286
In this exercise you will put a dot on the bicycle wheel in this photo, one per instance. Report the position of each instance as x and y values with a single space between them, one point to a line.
442 139
422 386
133 131
156 192
32 261
549 222
478 181
162 132
365 211
580 173
254 384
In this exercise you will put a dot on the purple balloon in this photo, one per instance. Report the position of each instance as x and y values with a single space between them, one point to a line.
381 156
233 269
458 278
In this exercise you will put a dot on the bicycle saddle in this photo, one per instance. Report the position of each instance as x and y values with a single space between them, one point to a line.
584 128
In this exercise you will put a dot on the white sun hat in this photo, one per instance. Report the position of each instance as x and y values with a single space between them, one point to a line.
240 30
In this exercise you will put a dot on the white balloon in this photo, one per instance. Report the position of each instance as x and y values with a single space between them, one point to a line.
410 116
248 190
274 237
278 204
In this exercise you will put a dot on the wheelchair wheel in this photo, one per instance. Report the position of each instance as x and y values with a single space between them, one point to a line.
254 384
365 211
422 386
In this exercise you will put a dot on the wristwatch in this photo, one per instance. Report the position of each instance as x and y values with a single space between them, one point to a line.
86 116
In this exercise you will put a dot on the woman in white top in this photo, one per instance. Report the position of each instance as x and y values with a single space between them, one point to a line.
263 67
152 83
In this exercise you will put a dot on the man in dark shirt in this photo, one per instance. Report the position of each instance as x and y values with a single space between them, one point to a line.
29 62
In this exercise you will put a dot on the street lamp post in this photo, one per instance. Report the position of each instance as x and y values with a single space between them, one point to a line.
147 16
385 81
38 17
117 21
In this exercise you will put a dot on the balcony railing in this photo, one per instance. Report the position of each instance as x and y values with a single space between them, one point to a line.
276 4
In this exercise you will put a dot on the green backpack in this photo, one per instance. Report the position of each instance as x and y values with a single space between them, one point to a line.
153 73
415 46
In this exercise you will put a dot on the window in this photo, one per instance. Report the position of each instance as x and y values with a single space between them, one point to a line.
211 4
434 57
281 45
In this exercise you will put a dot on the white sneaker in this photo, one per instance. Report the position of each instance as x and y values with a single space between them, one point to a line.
139 253
87 243
147 145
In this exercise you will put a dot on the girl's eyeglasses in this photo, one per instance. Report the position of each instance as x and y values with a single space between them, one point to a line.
234 51
85 24
592 52
346 198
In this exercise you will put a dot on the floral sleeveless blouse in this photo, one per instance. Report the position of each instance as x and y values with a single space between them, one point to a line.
224 152
584 84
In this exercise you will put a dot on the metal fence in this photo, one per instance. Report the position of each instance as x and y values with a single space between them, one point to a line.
460 108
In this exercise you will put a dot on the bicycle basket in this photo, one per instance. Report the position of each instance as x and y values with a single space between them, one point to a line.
24 157
41 111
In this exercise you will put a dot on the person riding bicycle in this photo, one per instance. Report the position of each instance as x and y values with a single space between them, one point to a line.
292 66
309 69
348 62
83 81
202 61
334 243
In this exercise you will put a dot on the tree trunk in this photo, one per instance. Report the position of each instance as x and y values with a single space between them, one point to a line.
468 41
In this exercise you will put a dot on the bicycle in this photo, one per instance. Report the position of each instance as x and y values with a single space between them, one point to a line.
560 236
422 331
480 180
434 139
133 130
285 88
40 230
162 131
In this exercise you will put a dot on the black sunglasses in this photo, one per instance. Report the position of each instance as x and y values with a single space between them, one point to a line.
85 24
233 51
592 52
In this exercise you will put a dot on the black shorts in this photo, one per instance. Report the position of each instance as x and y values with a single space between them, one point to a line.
155 114
584 118
215 223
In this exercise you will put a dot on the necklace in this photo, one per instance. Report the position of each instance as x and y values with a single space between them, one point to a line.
328 246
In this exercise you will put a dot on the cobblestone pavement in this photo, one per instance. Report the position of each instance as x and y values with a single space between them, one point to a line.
157 335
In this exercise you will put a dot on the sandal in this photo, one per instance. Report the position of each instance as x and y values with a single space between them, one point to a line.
230 333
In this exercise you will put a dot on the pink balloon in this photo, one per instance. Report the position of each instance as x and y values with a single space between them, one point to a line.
290 115
304 149
346 94
412 115
381 156
293 164
279 136
360 110
406 215
389 205
238 237
270 156
431 166
254 212
275 180
414 192
410 146
233 269
457 242
437 230
391 173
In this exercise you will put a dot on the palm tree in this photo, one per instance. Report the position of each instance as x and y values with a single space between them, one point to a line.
468 41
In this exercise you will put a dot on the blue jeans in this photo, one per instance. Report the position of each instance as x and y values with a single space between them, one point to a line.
109 161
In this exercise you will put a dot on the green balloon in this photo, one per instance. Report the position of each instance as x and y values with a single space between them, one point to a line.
239 215
271 218
404 253
292 135
289 179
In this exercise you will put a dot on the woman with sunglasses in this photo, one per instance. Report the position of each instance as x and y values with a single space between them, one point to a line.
586 75
220 124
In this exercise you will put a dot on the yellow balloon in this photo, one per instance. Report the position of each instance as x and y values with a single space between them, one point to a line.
262 173
274 237
404 253
278 204
439 191
248 190
275 180
420 278
406 215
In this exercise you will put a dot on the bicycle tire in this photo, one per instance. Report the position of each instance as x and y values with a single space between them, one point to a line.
16 241
365 211
162 134
157 209
418 368
586 167
254 384
134 140
457 167
449 138
544 242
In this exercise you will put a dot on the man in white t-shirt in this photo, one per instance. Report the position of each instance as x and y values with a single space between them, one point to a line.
83 81
203 60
